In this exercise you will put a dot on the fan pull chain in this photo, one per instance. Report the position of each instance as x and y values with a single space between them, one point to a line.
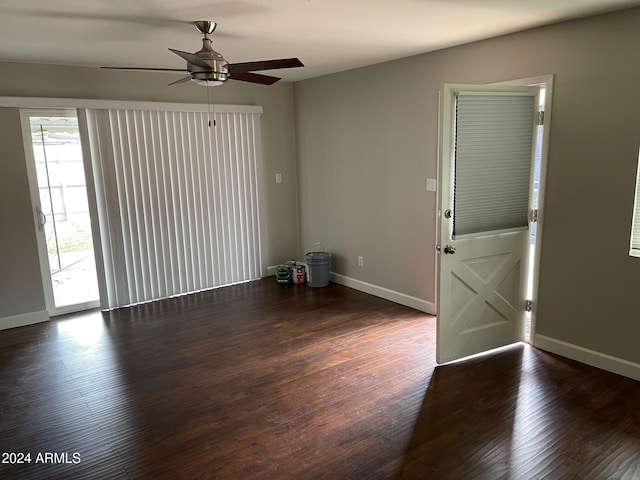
210 105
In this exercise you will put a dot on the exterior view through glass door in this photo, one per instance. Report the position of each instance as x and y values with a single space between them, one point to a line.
59 195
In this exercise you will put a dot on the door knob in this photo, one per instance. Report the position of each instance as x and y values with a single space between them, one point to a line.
450 249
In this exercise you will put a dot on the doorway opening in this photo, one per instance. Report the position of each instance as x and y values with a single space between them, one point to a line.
59 195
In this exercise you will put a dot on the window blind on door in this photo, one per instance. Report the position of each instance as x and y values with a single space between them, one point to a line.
493 152
177 201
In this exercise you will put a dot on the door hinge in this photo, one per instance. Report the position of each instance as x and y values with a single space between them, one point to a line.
528 305
541 117
533 215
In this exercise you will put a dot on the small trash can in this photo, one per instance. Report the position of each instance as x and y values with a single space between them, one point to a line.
319 264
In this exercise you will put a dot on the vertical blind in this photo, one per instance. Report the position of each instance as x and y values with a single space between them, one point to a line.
493 152
177 201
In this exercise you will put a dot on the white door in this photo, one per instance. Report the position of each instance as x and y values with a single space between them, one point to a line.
488 139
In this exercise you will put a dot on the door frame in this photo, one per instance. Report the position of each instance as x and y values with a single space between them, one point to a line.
546 82
543 81
43 256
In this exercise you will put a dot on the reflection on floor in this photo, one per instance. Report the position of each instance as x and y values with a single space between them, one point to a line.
266 381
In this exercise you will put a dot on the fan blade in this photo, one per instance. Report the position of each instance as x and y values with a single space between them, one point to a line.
191 58
182 80
148 69
254 78
264 65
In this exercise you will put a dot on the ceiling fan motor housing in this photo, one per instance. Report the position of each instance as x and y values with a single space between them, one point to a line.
218 71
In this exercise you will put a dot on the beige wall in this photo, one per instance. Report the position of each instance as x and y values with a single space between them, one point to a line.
20 285
367 142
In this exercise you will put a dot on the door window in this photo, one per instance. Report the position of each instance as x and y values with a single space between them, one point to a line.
493 137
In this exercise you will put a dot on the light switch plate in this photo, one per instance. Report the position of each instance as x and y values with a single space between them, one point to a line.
432 185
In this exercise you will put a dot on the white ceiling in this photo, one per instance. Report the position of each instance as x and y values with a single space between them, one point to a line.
327 35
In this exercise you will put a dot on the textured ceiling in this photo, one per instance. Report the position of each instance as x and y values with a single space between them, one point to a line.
327 35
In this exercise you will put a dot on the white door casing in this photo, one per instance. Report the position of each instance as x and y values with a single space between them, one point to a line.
482 275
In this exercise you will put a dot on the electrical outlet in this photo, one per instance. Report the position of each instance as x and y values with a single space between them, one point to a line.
278 178
360 261
432 185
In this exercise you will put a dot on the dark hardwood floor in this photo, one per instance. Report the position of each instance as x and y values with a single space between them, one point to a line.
289 382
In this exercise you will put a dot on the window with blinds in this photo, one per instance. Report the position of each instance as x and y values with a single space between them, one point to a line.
493 152
177 200
634 251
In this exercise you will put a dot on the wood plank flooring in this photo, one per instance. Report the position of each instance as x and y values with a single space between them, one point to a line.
265 381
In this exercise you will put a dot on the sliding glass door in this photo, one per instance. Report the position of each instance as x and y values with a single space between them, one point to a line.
174 200
59 195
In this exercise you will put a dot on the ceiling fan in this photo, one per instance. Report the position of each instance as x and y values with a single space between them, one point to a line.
208 67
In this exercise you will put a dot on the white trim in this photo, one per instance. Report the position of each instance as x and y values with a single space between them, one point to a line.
76 307
590 357
24 319
397 297
43 102
540 80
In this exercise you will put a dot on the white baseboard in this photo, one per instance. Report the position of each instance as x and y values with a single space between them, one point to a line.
397 297
24 319
271 270
590 357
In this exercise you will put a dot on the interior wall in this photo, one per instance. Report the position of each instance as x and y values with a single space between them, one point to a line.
366 144
18 249
367 141
20 282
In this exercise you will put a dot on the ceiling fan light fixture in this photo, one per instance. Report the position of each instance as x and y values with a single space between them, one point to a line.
210 78
207 83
